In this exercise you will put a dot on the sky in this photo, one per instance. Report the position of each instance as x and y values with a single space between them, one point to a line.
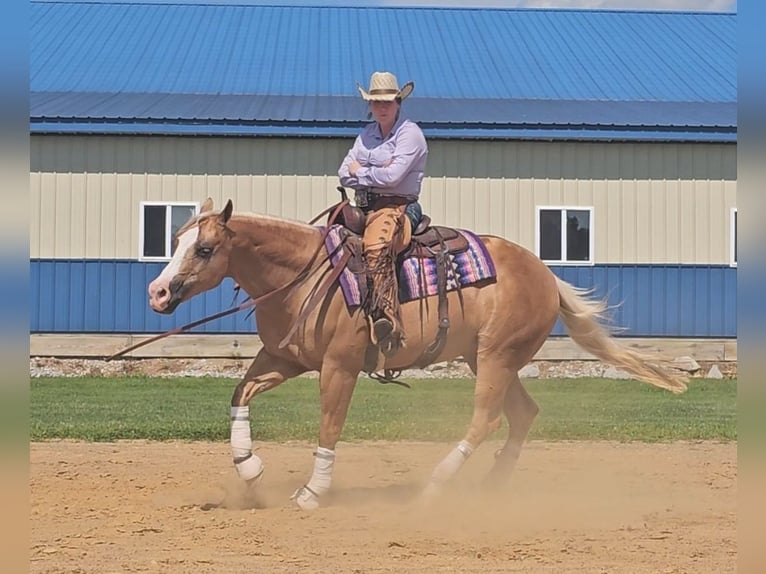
677 5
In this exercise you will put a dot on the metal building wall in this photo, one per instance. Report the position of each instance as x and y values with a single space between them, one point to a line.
653 203
661 217
86 190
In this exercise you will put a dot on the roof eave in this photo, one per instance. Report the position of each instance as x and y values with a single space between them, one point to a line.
73 126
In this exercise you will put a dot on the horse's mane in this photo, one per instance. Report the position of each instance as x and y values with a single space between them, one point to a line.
279 222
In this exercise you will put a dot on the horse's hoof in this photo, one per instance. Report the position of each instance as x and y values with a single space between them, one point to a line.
305 498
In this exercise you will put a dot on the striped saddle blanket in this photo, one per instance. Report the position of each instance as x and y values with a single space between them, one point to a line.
416 275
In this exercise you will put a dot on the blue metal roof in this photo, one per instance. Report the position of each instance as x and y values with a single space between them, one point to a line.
480 72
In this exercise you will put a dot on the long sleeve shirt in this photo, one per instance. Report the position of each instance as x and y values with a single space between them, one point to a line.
390 166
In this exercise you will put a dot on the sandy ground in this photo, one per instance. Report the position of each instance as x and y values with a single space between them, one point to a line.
571 507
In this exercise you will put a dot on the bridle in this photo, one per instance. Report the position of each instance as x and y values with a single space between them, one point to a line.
302 274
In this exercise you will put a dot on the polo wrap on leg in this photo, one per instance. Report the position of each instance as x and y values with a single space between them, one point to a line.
249 465
447 468
321 478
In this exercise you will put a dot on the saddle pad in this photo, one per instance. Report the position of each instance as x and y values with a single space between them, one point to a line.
467 268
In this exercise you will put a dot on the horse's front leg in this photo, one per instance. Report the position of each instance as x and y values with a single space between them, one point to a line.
266 372
336 385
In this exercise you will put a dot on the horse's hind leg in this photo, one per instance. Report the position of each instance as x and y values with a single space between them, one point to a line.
520 410
491 384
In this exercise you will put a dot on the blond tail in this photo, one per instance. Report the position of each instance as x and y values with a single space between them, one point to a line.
582 318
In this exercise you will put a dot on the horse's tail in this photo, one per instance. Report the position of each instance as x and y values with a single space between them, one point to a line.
583 320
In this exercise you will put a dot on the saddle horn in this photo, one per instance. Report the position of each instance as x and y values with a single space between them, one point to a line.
351 216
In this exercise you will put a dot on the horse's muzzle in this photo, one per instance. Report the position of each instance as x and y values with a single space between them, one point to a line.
165 299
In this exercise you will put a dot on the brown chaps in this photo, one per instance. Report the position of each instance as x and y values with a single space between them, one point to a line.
387 233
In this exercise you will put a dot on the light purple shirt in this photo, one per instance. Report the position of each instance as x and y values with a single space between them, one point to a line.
391 166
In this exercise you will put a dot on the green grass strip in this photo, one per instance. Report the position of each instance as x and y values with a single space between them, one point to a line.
434 410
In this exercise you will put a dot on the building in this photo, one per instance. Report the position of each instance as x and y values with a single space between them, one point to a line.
603 140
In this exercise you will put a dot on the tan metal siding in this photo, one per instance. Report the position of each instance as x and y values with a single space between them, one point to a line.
35 211
653 202
86 190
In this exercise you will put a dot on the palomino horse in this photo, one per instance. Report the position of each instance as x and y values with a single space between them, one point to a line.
496 327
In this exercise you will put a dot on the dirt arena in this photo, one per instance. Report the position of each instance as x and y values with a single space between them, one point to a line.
572 507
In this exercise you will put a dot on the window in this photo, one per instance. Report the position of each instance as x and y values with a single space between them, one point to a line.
564 234
733 237
159 222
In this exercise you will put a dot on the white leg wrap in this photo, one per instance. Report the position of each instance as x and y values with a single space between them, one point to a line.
307 497
324 460
447 468
248 464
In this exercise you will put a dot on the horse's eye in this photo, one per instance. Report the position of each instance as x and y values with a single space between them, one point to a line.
204 251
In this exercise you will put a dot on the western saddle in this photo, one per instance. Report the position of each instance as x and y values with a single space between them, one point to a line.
428 241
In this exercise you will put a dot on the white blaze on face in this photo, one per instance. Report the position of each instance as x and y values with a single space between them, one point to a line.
184 243
159 289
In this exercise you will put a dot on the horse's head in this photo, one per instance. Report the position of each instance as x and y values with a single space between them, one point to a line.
199 262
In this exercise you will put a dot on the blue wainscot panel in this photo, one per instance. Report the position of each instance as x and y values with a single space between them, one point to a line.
662 300
109 296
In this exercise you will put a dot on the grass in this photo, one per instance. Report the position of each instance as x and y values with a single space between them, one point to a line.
198 409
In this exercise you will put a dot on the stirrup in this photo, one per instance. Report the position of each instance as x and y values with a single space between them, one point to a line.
381 330
387 340
391 346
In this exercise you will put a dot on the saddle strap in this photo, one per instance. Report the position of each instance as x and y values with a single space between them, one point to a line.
318 296
437 345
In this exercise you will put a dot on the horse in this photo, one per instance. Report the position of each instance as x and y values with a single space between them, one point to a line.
497 327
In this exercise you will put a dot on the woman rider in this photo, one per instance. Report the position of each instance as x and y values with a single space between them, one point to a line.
385 167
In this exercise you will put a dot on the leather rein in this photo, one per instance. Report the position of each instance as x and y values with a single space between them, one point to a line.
302 274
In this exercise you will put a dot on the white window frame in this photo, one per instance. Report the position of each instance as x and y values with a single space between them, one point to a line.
733 224
168 238
563 209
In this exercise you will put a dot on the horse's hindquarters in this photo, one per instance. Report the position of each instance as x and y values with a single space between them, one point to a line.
525 301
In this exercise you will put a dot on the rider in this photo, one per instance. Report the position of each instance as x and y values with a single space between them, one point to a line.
385 166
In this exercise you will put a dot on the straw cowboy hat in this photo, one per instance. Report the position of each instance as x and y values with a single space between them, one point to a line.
385 88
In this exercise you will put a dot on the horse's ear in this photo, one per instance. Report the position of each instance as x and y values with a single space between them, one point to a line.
226 212
207 205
